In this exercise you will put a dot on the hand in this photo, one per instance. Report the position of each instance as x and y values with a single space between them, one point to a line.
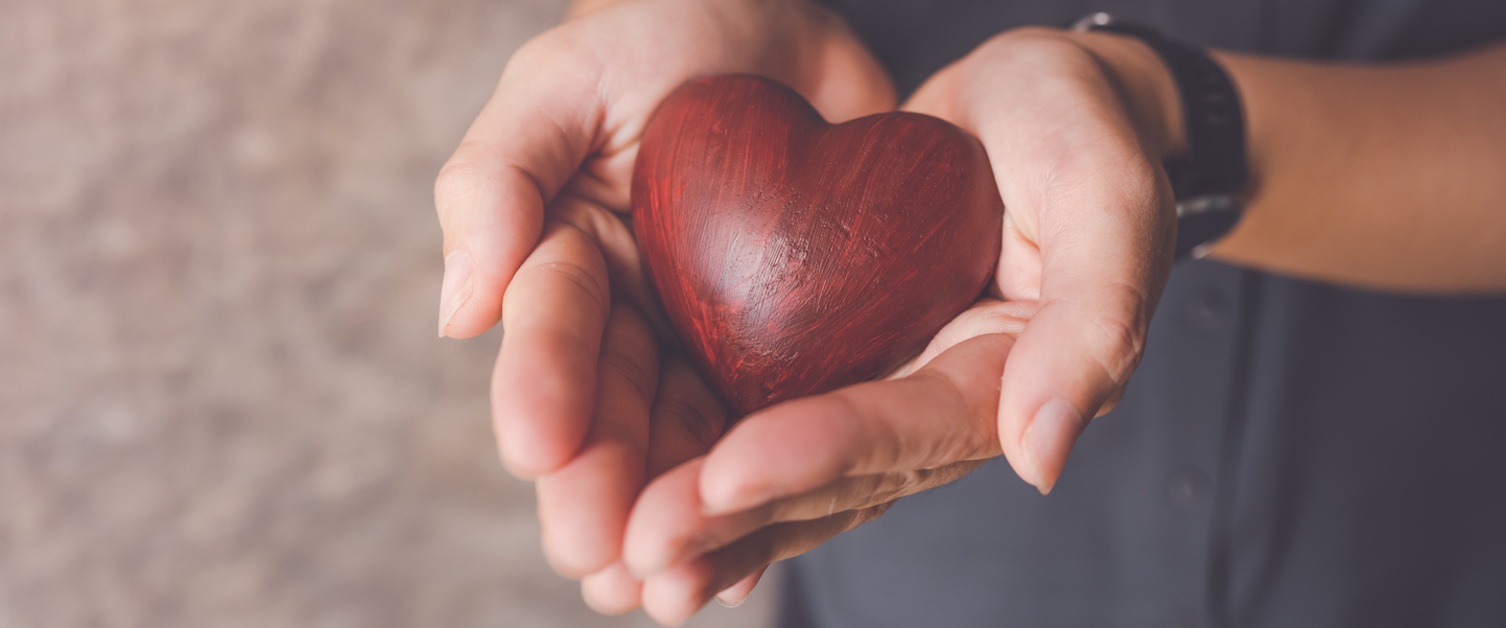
1076 127
533 206
788 478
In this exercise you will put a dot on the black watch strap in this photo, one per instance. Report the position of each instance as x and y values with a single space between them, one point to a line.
1211 178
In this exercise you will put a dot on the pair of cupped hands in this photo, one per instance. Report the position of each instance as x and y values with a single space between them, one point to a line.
648 491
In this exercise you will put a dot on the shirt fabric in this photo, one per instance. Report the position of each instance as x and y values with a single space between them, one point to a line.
1289 453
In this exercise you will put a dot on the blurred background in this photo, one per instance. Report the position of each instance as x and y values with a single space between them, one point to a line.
222 402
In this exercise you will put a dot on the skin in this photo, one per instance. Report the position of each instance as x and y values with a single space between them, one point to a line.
1374 176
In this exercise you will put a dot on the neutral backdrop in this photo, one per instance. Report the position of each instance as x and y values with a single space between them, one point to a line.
222 402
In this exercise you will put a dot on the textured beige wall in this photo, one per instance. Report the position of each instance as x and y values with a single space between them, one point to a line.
221 398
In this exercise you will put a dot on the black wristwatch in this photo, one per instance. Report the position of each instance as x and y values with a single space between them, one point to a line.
1211 179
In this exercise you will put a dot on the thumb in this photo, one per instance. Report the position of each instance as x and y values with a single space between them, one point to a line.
1106 230
491 194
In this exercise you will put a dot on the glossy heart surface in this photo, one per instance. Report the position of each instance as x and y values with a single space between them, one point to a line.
793 256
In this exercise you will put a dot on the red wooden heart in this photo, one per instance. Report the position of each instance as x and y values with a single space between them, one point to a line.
793 256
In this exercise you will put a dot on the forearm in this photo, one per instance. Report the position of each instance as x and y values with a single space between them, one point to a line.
1391 177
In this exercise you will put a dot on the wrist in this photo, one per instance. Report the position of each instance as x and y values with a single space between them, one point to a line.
1147 87
1209 166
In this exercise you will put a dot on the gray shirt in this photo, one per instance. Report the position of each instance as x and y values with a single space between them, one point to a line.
1289 453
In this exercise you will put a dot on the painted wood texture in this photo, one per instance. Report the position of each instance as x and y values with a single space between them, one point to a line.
794 256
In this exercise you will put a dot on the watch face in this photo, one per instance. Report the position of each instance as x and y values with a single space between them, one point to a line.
1202 220
1211 204
1092 21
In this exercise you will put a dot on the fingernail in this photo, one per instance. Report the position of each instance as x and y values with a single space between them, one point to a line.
728 502
456 288
1049 438
729 601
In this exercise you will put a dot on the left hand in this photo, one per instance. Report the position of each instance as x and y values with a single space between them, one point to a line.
1076 127
534 206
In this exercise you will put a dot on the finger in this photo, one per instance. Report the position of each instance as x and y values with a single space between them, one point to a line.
612 591
735 595
853 493
583 507
846 82
664 520
687 418
618 247
544 384
687 530
941 414
673 596
490 196
669 525
987 316
1112 402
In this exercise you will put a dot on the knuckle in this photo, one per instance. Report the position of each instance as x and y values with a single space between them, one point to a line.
1113 402
866 491
559 269
1003 318
629 370
616 433
585 280
1033 36
860 517
470 170
973 414
582 280
845 425
1119 340
565 562
903 483
561 53
458 178
1031 45
702 426
542 51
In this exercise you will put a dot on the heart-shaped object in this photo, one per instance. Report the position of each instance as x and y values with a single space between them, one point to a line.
793 256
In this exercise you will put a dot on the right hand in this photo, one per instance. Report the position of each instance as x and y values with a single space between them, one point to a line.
534 207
